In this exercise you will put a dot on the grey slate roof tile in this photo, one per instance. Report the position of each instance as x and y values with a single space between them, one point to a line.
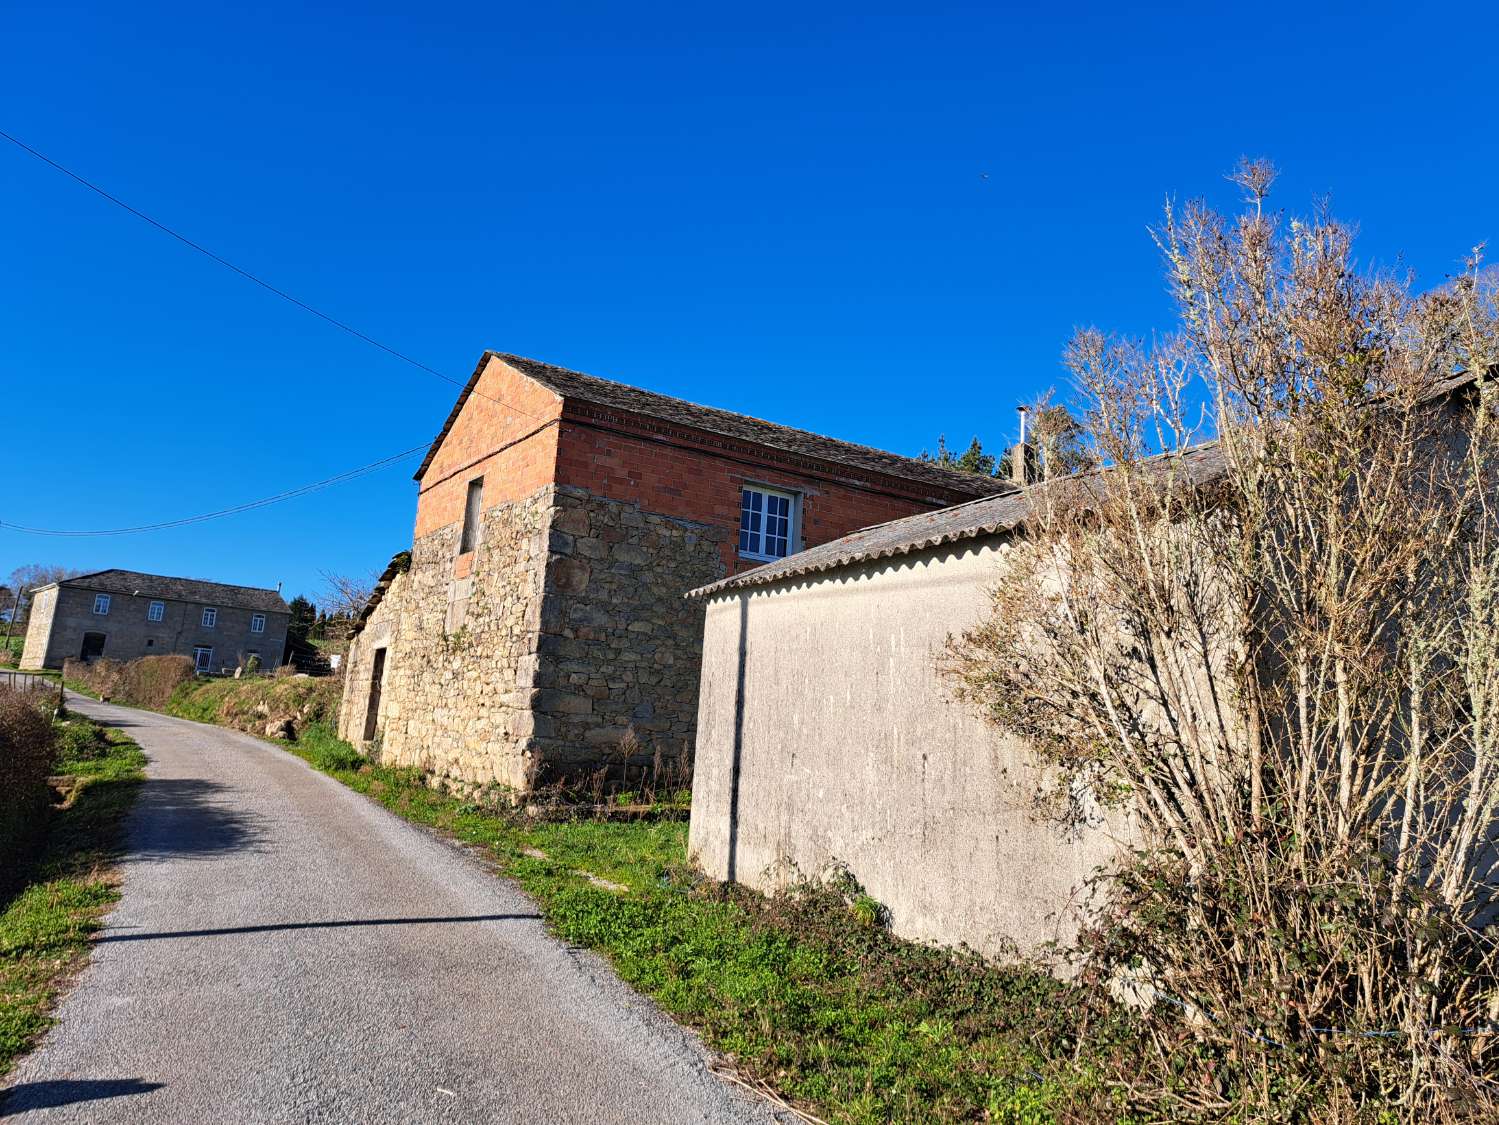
620 396
133 582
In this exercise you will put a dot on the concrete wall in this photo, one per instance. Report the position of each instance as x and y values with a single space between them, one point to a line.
826 732
58 629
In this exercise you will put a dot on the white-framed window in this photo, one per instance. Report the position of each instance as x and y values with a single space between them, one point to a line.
202 659
257 623
101 604
210 617
767 522
156 611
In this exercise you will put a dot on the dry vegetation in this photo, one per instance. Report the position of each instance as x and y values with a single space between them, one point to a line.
1289 677
26 757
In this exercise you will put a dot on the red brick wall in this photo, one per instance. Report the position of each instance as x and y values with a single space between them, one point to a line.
704 486
523 420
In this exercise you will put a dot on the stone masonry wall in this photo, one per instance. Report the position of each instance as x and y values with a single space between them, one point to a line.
460 653
39 630
569 630
620 646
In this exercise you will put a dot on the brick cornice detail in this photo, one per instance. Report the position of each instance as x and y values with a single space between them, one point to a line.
748 453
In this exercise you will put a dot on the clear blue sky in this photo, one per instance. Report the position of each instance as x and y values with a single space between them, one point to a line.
880 222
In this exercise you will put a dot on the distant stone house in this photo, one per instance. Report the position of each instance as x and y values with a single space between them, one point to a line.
540 616
124 614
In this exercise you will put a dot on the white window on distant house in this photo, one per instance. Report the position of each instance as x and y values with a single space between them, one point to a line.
473 507
156 611
101 604
202 659
767 523
257 623
210 617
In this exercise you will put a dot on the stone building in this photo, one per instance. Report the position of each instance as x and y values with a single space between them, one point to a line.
123 614
539 615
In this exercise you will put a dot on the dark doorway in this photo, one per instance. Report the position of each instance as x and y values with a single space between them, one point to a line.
93 646
372 715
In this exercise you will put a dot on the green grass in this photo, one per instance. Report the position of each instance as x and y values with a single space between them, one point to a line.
806 993
46 923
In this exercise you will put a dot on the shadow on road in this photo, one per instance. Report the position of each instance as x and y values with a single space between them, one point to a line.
49 1095
275 927
190 817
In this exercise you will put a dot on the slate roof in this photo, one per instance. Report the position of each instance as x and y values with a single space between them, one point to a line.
399 563
620 396
993 515
133 582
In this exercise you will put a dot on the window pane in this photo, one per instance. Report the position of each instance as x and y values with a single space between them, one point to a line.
777 525
751 506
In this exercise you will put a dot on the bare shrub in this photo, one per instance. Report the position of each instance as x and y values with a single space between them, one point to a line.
26 756
1281 654
102 677
151 680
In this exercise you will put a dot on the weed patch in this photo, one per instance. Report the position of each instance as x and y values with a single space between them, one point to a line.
46 924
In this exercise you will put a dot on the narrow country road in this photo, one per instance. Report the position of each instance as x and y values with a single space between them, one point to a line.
286 951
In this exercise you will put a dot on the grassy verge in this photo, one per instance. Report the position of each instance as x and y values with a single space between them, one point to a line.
45 923
806 993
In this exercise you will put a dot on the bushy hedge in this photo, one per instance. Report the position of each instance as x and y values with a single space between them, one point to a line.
147 682
26 757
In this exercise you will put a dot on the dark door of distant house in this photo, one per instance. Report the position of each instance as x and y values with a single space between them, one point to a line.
377 674
93 646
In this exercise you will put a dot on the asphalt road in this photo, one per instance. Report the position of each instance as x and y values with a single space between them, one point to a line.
286 951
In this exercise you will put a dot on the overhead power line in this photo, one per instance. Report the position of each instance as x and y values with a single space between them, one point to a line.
264 502
248 276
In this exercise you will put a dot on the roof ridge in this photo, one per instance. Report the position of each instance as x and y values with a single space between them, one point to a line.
169 578
510 356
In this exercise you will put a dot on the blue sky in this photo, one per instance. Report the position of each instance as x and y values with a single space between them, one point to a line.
880 222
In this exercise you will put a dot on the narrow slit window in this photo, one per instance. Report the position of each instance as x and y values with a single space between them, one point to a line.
471 510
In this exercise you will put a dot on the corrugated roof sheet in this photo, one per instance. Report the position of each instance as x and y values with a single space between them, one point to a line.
621 396
993 515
